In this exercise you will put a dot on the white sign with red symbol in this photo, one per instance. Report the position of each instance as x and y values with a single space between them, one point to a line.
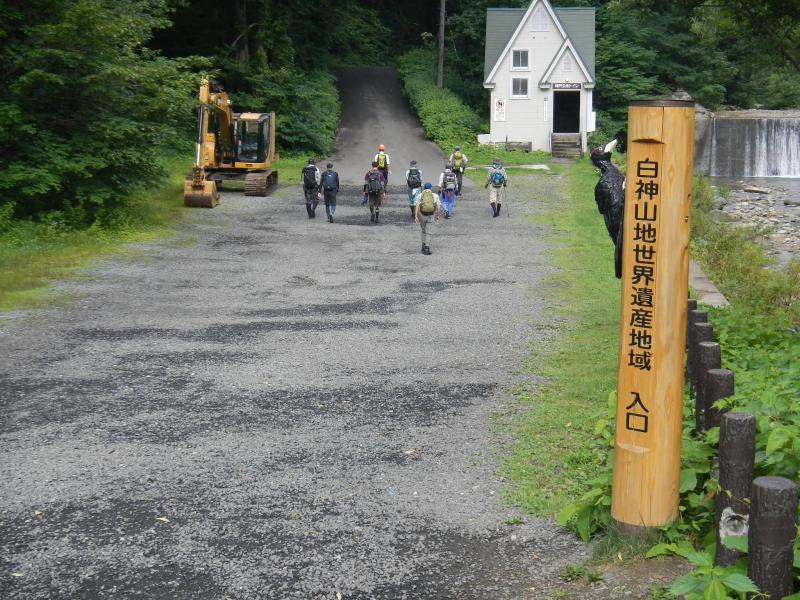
500 109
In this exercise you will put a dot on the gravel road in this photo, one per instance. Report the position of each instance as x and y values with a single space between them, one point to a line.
267 406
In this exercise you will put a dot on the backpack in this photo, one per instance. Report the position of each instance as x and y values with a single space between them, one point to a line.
450 181
310 177
329 180
374 182
414 178
497 178
427 204
381 160
457 157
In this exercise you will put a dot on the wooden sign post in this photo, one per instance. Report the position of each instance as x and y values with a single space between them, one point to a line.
655 272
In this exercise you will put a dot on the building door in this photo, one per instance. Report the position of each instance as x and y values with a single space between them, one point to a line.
566 112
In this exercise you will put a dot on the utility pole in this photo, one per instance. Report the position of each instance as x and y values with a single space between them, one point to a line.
440 67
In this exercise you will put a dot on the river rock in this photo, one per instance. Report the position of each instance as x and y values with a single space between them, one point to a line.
756 190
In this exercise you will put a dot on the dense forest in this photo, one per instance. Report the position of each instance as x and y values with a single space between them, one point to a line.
97 92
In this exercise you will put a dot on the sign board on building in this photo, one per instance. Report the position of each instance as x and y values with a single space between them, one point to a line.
500 109
566 86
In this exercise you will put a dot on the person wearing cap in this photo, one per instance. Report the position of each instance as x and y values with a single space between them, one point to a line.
459 161
448 183
330 187
496 180
383 162
413 185
426 207
310 178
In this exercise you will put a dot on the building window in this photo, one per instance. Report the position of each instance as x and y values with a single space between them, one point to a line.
566 65
519 87
540 21
519 60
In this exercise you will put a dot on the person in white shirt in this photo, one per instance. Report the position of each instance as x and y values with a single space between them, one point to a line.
413 185
383 163
459 161
447 190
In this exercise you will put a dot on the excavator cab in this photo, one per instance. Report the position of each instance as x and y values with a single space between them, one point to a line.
252 137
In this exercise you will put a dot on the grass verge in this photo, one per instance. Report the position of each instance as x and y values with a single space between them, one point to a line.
33 254
551 458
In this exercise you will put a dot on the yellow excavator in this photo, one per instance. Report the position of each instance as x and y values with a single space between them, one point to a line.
230 146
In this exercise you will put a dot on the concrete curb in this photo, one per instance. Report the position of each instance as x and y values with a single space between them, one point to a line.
705 290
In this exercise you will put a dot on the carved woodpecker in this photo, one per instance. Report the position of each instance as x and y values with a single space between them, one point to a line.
609 193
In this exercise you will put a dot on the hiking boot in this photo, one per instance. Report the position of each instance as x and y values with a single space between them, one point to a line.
330 218
372 217
426 250
376 216
498 208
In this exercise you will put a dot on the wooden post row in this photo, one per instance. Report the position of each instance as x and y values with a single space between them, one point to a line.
654 288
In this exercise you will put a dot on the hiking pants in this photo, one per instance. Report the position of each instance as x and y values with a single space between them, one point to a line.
460 179
311 200
496 194
385 176
330 201
424 221
448 197
375 201
411 193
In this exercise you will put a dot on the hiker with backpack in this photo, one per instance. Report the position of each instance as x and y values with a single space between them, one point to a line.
496 180
330 187
413 185
310 178
383 163
459 161
374 189
426 208
448 182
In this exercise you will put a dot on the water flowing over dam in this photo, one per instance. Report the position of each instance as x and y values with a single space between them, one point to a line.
748 143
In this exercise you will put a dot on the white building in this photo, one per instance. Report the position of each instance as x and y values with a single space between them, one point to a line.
539 66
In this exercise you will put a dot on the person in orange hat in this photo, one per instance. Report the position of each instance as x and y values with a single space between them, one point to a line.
383 163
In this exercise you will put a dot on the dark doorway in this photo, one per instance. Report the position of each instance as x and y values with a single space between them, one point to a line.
566 112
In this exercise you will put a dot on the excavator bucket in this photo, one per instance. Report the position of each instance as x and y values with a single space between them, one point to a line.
204 195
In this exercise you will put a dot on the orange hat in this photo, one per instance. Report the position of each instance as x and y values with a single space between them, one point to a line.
381 147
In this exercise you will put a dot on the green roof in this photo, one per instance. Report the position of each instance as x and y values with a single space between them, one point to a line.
501 23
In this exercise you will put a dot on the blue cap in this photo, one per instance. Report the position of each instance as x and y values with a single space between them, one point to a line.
413 162
427 186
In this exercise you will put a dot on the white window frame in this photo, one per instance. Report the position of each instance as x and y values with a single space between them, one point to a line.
528 59
566 62
544 20
527 88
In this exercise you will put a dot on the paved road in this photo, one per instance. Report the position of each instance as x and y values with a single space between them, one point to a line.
375 111
267 406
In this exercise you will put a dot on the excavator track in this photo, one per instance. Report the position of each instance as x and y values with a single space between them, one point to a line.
257 184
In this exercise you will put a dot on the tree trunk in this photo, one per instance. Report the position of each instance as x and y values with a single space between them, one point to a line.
242 42
440 66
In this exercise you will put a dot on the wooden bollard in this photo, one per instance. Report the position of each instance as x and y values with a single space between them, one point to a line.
694 316
719 385
703 332
737 448
773 509
691 305
654 289
709 356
